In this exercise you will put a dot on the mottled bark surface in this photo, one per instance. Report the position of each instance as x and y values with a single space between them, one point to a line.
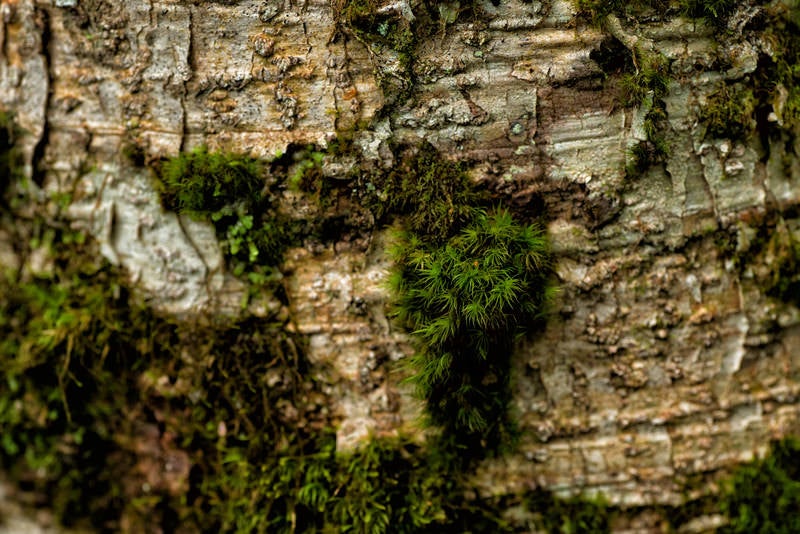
662 359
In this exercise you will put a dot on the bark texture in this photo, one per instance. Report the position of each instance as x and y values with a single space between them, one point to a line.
661 360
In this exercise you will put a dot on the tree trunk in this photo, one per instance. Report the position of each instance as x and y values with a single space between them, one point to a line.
668 353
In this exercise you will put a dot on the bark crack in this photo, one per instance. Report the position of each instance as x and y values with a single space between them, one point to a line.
186 78
5 18
42 20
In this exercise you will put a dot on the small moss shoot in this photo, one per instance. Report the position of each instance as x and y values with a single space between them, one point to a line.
648 85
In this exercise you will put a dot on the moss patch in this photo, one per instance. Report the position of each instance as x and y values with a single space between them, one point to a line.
120 420
260 208
768 100
715 12
467 282
433 196
729 112
465 302
648 85
764 495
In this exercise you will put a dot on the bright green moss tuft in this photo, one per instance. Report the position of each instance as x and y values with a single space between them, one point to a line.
466 301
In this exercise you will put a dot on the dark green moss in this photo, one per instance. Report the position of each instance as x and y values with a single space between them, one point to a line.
764 495
66 340
433 196
648 85
233 192
768 100
715 12
783 253
645 154
202 183
729 112
777 79
570 516
771 254
596 10
650 77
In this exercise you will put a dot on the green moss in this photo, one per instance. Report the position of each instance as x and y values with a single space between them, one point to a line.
232 192
655 149
466 284
597 10
729 112
777 79
569 516
66 339
764 495
648 85
434 196
466 301
715 12
735 110
769 253
782 253
650 77
201 183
